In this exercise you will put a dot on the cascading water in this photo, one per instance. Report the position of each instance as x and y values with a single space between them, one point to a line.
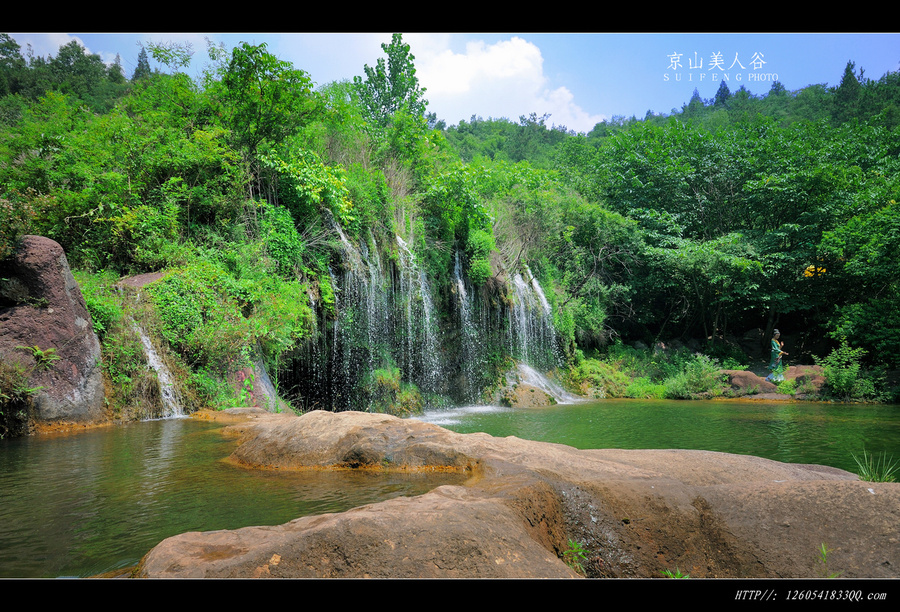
422 351
383 330
470 338
531 324
171 399
530 376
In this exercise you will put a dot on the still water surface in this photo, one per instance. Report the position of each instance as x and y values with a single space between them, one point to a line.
85 504
94 502
794 432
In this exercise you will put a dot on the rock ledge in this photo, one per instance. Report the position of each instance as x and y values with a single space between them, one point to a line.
636 512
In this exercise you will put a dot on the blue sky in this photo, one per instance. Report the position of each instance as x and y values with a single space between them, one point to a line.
578 78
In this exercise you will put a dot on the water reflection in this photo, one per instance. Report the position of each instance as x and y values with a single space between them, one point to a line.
90 503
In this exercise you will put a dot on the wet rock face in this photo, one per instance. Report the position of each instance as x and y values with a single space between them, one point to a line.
45 326
524 395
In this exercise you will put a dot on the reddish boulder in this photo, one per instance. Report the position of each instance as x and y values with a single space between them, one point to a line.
744 382
812 377
45 326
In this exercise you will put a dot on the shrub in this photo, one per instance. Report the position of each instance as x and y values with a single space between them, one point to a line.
15 219
842 369
200 314
102 301
479 245
599 379
281 238
644 388
700 376
280 318
305 183
479 271
788 387
388 394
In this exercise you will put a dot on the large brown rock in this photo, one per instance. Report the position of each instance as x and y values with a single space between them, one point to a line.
45 325
635 512
745 382
808 382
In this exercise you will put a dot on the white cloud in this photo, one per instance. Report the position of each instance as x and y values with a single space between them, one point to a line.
44 44
504 79
47 44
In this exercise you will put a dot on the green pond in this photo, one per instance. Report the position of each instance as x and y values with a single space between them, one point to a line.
97 501
86 504
794 432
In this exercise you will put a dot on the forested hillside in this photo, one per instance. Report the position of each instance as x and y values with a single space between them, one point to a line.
343 233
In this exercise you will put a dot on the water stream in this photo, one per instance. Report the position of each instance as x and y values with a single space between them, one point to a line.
168 390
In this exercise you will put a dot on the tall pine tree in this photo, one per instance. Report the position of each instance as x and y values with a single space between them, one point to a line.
143 66
847 95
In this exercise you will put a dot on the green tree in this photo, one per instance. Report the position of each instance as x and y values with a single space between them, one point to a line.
173 54
594 251
142 70
716 278
847 95
812 103
723 95
863 254
12 65
265 99
391 86
114 72
694 107
81 74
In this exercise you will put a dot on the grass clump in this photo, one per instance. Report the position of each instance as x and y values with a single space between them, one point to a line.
574 555
882 468
676 574
823 560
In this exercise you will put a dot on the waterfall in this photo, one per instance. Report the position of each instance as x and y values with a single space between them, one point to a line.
377 317
534 339
530 376
422 350
384 326
470 335
168 392
387 335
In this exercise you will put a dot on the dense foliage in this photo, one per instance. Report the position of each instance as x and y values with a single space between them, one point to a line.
731 214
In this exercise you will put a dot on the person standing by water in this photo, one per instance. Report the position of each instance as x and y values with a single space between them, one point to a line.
775 365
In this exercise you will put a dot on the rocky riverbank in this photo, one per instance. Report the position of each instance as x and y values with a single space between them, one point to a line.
635 513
